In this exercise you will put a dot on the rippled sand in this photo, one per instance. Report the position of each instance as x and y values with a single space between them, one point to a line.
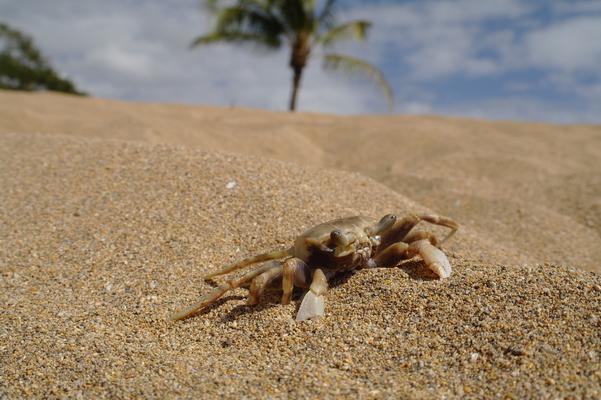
102 239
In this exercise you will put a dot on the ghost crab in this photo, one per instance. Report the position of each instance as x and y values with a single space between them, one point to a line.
340 245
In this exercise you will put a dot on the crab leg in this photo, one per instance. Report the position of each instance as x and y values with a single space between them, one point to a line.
398 230
402 227
295 273
433 257
251 260
420 243
313 303
258 284
390 256
443 221
421 235
213 296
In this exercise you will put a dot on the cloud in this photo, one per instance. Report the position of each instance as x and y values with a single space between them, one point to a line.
572 45
440 38
470 57
574 7
117 59
478 11
547 54
525 108
116 49
446 50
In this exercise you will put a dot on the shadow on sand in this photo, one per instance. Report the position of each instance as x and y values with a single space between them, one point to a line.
415 269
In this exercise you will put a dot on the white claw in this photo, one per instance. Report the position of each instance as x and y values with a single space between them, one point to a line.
440 270
312 306
434 258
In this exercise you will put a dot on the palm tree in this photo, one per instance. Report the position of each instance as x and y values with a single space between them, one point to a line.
299 25
23 67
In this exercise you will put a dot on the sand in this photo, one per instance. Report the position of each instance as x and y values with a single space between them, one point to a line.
533 189
102 239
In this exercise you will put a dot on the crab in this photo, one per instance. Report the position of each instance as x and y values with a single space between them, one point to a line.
326 249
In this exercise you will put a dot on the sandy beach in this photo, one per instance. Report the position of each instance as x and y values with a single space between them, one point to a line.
110 212
532 188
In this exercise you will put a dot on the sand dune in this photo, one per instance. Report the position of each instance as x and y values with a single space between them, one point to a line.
535 189
102 239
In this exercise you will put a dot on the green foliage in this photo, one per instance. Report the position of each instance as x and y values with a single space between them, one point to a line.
299 25
354 65
350 30
23 67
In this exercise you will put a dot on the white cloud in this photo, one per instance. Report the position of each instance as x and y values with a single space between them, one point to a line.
461 11
526 108
135 64
570 7
571 45
415 107
441 38
139 51
569 83
116 49
445 50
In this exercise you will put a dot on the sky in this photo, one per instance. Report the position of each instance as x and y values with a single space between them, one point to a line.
530 60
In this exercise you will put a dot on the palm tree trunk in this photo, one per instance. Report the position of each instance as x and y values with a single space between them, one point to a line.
296 78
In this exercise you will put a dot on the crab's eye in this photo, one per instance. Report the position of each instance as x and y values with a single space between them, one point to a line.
384 224
388 220
339 238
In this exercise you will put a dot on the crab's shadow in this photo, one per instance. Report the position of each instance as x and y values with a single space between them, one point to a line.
268 301
215 305
415 269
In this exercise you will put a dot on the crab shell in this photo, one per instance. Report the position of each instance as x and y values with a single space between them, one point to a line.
316 247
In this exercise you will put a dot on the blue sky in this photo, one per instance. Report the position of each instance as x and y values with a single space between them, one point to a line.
498 59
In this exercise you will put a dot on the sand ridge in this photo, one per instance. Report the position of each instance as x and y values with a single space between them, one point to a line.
103 239
531 188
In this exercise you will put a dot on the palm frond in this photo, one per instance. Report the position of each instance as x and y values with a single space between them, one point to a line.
247 21
210 5
213 5
294 13
236 37
354 65
311 22
349 30
309 6
326 16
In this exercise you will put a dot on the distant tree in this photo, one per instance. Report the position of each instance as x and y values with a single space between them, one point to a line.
23 67
299 25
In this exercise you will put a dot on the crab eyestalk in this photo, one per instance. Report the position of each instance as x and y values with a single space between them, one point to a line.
344 242
383 225
340 238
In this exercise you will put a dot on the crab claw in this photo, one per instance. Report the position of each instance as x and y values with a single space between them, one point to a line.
433 257
313 304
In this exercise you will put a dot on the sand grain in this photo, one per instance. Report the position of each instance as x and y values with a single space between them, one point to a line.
101 240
